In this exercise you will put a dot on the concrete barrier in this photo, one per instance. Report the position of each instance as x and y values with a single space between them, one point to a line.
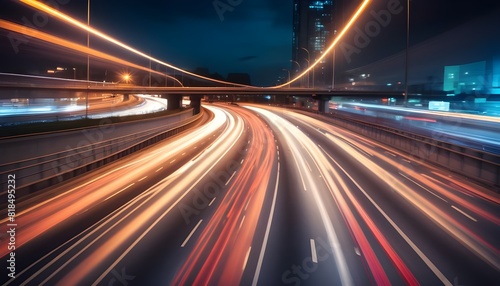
39 172
480 166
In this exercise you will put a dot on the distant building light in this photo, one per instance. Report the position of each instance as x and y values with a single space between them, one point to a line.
389 84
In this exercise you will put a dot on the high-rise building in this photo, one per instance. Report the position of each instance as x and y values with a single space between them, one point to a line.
313 31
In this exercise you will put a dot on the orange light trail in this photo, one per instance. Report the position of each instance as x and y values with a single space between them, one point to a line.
72 46
234 223
65 18
346 28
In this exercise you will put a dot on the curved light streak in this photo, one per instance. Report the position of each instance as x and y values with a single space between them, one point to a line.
65 18
334 43
72 46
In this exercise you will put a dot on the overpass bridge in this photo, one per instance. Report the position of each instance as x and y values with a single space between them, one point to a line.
175 94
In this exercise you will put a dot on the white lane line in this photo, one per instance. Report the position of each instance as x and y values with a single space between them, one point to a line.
392 154
159 169
241 223
268 229
415 248
230 178
248 202
242 160
183 154
300 172
246 258
314 254
356 250
119 192
191 233
308 166
441 182
212 201
142 178
162 215
172 161
431 192
464 213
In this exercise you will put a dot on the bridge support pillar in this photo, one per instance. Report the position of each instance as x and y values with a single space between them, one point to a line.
126 97
174 101
323 103
195 103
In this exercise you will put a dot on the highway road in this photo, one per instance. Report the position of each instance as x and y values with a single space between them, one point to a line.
259 196
100 106
469 130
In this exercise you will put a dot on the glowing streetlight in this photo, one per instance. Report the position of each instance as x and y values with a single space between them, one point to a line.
127 77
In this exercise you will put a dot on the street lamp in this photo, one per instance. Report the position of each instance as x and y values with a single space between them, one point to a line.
292 61
88 62
333 63
297 71
308 61
127 77
74 73
288 76
407 47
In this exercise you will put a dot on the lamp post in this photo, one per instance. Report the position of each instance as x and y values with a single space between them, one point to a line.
333 63
288 76
88 63
292 61
407 48
308 62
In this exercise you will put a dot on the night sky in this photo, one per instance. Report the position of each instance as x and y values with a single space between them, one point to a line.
253 36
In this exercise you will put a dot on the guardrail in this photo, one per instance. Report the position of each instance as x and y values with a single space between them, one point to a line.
34 174
477 165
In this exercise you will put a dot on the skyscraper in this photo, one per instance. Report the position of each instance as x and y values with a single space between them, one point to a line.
313 31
